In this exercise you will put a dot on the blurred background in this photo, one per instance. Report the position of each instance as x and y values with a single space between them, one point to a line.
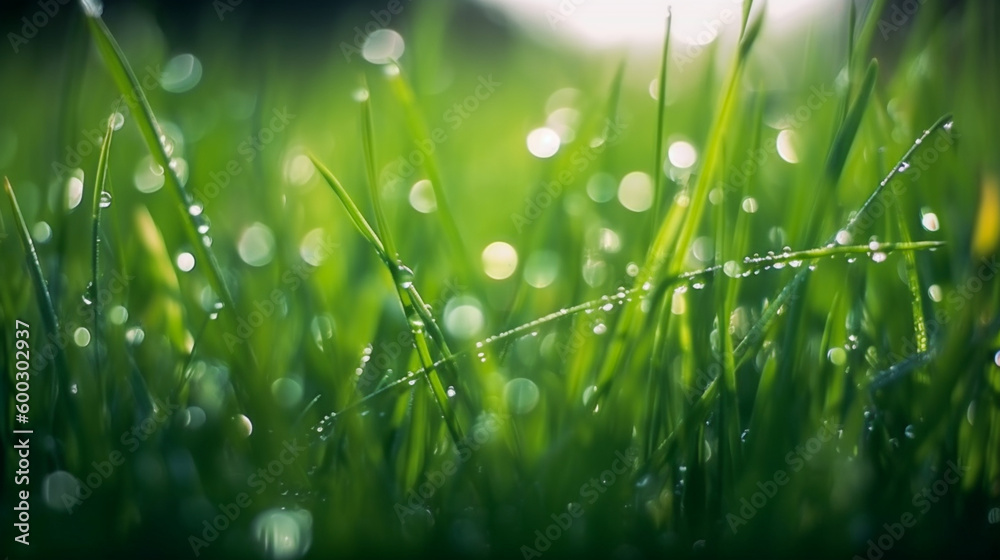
515 154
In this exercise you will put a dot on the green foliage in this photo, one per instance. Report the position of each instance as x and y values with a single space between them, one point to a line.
789 311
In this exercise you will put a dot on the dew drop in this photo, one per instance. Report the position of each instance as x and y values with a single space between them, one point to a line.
404 277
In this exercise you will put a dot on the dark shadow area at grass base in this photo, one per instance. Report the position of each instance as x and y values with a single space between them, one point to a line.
951 538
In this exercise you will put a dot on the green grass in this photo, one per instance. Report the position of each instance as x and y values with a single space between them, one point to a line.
833 324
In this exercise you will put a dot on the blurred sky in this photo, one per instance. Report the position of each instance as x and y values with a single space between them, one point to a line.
611 22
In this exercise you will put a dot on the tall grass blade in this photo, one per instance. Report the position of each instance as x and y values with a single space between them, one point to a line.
124 77
101 199
669 246
413 305
420 132
661 110
59 388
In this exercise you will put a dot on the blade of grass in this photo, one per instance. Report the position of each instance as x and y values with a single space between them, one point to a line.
413 306
100 182
420 132
755 263
661 110
368 145
759 329
124 77
59 388
670 245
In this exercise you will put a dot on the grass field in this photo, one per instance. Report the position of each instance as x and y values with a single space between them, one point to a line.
502 297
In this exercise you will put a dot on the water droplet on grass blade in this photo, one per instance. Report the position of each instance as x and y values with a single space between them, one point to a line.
404 277
929 220
185 262
383 46
837 356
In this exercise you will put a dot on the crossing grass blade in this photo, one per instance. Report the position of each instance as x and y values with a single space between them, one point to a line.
669 246
135 97
760 328
414 307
